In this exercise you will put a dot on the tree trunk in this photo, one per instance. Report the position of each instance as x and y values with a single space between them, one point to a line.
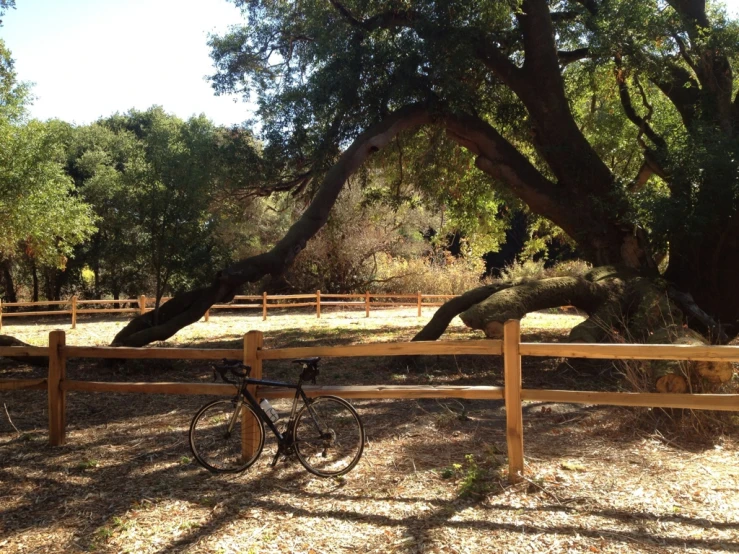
709 269
8 284
34 276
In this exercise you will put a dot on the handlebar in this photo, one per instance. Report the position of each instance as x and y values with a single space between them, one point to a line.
241 370
235 368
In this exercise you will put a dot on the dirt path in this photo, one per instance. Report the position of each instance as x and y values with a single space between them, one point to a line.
432 478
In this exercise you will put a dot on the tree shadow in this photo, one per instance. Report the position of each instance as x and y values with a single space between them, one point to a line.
108 471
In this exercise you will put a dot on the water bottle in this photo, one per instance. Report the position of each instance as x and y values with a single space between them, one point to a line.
269 410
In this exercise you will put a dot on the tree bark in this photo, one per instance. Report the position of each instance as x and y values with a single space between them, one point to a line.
449 310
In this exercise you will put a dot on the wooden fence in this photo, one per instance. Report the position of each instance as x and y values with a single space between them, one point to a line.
511 347
263 302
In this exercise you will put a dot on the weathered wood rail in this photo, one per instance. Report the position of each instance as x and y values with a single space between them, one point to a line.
263 302
511 348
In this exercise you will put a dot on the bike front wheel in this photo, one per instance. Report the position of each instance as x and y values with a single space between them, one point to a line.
216 436
328 436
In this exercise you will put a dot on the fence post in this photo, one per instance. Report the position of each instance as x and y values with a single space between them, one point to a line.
419 303
253 341
513 408
57 397
366 303
74 311
264 306
207 315
318 304
142 304
1 314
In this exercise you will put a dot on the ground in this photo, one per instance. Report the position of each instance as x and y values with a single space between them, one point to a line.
432 478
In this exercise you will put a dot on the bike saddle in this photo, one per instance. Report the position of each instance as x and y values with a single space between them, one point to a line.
307 361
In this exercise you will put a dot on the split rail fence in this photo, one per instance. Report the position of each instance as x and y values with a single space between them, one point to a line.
264 302
511 348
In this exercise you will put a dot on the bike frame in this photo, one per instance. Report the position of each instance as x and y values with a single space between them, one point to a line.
245 394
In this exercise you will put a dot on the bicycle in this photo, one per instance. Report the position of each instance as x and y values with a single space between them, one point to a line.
326 434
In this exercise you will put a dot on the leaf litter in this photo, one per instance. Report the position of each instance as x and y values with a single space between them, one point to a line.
432 479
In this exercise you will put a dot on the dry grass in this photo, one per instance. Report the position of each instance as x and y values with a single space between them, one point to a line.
432 479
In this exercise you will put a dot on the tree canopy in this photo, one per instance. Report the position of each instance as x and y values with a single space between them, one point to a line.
614 120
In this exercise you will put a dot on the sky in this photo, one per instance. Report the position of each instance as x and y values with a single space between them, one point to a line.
92 58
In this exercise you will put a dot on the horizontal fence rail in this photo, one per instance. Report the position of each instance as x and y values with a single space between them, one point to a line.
511 348
265 302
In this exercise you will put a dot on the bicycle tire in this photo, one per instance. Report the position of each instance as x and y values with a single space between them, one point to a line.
214 447
337 448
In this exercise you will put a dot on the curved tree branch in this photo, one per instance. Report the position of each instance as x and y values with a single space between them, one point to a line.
682 90
452 308
189 307
641 122
498 158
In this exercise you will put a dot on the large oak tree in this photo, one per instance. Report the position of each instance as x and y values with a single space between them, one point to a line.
615 120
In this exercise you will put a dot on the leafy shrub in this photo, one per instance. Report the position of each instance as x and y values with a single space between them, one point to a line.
429 275
530 269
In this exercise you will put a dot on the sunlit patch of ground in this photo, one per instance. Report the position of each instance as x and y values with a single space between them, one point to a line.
381 326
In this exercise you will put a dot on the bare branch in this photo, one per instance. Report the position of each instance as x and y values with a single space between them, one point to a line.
386 20
558 17
641 122
590 5
566 57
692 10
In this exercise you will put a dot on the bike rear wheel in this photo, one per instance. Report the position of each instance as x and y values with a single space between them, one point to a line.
215 436
328 436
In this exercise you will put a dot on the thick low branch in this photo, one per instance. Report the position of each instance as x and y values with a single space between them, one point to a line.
40 361
449 310
515 302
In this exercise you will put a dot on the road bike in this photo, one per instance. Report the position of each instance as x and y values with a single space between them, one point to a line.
325 432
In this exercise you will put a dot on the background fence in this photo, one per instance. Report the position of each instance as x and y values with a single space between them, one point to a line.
511 347
74 307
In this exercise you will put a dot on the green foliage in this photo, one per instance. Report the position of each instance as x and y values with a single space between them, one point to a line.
155 182
475 479
42 217
4 5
